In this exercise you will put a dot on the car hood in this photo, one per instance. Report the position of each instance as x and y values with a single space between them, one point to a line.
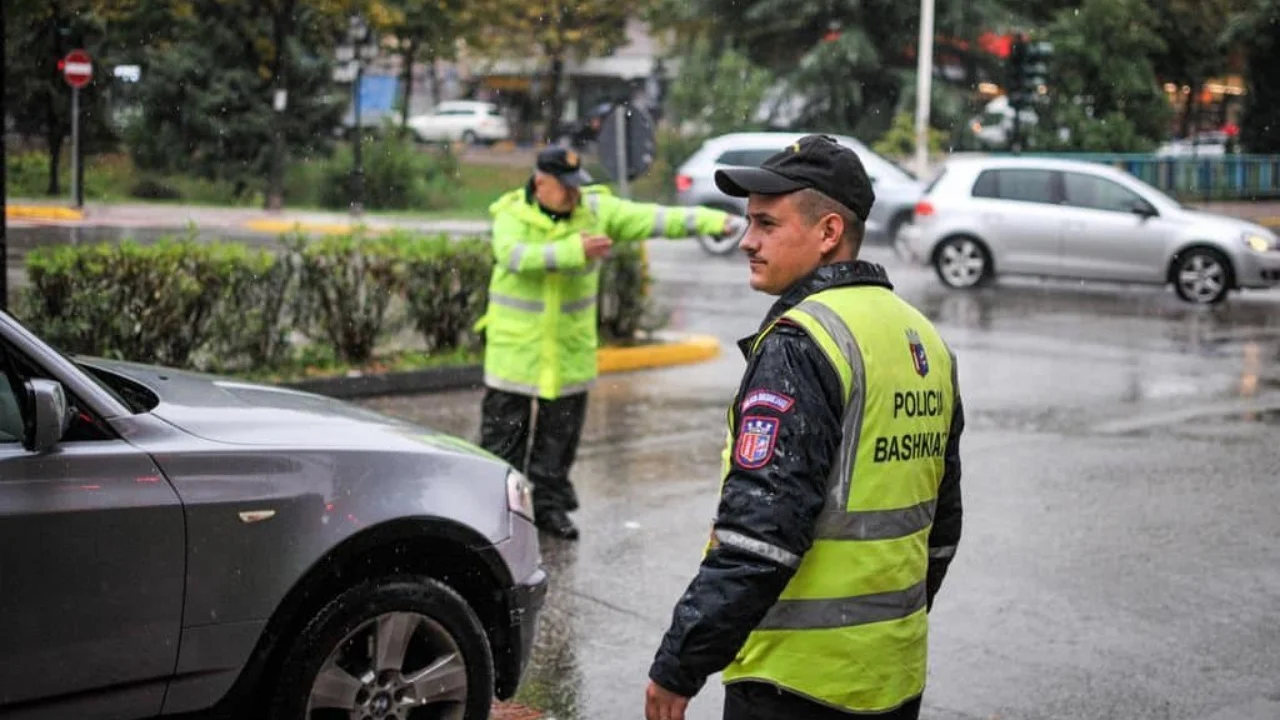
231 411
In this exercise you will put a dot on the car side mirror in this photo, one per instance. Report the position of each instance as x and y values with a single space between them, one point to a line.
1144 210
50 416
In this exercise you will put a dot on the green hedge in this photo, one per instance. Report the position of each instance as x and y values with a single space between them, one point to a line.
226 307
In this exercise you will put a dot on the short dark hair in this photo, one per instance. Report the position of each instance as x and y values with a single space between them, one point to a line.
814 205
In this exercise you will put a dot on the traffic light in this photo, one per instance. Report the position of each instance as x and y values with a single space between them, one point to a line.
1028 70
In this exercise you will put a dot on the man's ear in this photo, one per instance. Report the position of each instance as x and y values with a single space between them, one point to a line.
832 233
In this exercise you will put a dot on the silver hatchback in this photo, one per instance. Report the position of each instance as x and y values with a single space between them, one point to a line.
1059 218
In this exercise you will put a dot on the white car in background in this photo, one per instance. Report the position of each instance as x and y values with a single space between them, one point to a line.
468 121
896 190
984 217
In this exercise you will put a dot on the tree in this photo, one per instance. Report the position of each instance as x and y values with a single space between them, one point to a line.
1193 32
1257 30
208 91
717 93
557 31
868 44
429 30
38 35
1104 87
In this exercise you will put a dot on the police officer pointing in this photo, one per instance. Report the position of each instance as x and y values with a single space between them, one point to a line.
549 238
840 499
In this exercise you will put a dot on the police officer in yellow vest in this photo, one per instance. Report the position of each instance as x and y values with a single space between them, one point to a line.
549 238
840 499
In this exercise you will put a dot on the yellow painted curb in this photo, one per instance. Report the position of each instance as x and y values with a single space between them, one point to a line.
283 226
42 212
695 349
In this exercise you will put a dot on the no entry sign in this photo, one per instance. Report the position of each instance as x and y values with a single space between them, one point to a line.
77 68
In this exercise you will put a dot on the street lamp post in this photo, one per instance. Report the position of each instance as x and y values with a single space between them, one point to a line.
924 86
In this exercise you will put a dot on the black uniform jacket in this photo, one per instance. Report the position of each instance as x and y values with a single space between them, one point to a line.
776 501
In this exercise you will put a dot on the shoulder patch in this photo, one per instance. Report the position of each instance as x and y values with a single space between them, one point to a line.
756 441
767 398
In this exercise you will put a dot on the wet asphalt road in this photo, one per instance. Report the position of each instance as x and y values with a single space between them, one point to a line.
1121 556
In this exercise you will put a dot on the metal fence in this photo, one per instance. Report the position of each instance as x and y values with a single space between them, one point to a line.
1222 177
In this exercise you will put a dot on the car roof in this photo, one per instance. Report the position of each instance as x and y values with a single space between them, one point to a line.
768 139
1026 162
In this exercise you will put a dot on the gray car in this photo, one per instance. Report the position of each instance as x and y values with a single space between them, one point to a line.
896 190
171 542
1061 218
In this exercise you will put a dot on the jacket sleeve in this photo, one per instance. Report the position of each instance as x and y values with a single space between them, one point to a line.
947 519
626 221
790 404
513 252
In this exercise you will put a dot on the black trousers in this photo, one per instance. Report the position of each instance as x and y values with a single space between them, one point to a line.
758 701
504 431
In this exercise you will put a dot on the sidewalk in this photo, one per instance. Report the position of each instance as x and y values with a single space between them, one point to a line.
36 213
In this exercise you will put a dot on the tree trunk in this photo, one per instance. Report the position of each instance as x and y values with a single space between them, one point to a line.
1189 112
408 56
53 139
282 31
55 127
554 107
434 77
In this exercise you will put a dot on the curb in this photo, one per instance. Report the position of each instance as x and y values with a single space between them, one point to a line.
42 212
684 351
670 353
276 227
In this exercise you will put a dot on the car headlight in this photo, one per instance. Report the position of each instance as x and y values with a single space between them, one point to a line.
520 494
1259 242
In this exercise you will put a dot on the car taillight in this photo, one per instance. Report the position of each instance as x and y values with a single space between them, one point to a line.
683 183
924 208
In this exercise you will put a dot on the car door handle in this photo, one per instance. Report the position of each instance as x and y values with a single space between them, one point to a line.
992 217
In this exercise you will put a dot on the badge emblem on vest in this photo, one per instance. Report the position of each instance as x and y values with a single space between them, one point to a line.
918 356
756 441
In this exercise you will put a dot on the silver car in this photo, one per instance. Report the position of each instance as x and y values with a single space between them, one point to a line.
985 217
896 190
171 543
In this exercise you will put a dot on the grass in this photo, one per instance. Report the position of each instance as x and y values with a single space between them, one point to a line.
112 178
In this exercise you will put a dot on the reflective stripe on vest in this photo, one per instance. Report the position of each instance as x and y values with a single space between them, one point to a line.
849 630
538 306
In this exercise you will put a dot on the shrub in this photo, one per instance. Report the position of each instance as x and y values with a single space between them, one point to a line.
28 174
398 176
149 303
348 283
447 288
228 308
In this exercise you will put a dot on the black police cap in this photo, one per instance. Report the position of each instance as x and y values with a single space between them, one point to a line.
564 164
815 162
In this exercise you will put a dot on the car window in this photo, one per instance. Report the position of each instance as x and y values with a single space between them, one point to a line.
1018 185
11 426
745 158
1089 191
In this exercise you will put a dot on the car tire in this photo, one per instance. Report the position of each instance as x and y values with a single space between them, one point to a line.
963 262
469 138
435 648
896 225
1202 276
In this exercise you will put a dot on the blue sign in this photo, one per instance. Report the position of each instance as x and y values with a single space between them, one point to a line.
378 93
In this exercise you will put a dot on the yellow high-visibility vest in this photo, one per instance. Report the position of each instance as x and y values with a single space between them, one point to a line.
850 630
